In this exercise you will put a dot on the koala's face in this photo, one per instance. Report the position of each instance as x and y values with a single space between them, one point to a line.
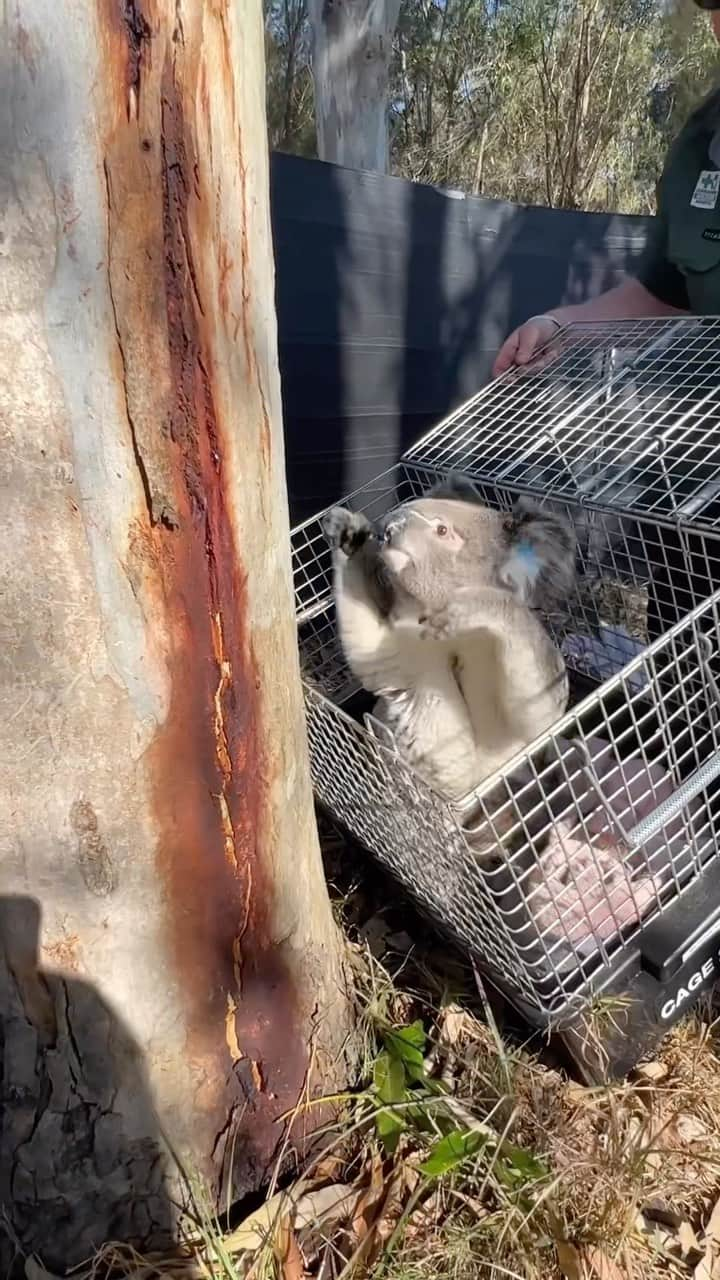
431 546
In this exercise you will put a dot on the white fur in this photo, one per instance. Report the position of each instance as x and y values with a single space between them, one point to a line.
512 677
418 697
458 707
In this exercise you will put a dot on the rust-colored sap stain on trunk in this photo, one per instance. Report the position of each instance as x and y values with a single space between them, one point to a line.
211 774
126 22
210 764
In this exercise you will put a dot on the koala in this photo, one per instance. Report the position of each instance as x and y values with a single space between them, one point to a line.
435 609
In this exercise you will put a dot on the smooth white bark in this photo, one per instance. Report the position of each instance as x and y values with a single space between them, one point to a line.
156 822
352 48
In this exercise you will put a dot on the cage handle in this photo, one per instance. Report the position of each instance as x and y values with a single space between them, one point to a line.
669 808
697 782
665 811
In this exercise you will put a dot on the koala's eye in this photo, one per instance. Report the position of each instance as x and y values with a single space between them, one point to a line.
441 530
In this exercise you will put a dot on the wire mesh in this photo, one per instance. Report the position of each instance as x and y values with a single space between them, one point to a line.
622 414
537 872
571 886
559 860
637 577
311 559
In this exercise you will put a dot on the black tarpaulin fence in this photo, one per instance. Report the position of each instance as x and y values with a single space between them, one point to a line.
392 300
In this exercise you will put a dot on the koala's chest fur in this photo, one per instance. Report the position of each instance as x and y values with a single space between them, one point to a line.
446 709
464 675
429 720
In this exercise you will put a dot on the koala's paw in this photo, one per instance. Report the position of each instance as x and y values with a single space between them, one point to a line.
345 529
440 625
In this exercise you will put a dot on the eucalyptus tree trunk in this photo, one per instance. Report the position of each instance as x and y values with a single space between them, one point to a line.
169 967
352 48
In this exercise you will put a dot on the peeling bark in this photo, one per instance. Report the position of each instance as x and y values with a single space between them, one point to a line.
352 49
168 960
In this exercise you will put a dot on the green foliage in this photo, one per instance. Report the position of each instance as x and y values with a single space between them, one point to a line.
452 1150
407 1101
406 1045
290 108
548 103
398 1069
389 1078
570 103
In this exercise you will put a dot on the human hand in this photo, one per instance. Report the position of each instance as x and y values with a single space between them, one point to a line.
523 342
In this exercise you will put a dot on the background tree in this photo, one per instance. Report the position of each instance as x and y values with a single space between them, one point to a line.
291 113
535 101
351 54
168 958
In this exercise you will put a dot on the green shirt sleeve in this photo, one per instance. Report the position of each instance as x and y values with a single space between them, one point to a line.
661 277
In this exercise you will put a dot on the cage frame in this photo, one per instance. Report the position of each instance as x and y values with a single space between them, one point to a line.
625 966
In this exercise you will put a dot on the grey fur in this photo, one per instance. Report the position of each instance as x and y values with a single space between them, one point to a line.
455 485
544 529
552 539
432 607
353 535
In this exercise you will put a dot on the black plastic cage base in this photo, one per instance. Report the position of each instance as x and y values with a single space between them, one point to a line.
654 983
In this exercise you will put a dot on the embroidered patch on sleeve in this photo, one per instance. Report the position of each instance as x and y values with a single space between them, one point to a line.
706 190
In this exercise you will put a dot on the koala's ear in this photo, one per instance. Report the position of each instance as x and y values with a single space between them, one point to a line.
540 549
455 486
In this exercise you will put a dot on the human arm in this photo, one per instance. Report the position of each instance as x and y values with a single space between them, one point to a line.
656 288
629 300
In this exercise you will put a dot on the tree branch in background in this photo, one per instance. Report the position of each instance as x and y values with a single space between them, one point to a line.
536 101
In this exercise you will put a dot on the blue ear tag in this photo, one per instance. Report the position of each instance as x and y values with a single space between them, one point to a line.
522 568
527 556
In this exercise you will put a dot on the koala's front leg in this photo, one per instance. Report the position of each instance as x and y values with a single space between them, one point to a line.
345 530
531 672
363 600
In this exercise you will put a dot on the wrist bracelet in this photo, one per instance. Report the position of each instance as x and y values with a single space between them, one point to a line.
545 316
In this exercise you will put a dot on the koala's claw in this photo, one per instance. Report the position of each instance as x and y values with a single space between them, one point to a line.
439 625
345 529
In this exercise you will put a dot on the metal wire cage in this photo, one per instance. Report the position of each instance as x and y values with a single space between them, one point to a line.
586 840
